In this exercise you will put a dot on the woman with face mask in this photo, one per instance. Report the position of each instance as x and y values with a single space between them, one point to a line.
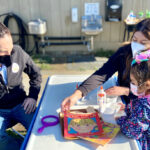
119 62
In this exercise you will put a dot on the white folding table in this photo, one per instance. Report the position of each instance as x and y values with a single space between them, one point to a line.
57 88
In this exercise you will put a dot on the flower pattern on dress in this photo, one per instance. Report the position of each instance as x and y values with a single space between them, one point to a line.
137 122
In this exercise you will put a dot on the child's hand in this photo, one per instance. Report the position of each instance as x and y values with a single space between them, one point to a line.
119 114
122 106
119 111
116 117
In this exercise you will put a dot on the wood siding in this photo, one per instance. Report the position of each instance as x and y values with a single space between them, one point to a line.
57 13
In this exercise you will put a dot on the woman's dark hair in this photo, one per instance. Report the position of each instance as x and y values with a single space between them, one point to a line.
144 27
141 72
3 30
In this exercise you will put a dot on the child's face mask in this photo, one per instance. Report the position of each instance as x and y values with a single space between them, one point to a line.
134 90
136 48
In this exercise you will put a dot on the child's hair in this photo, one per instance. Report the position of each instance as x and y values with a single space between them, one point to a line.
141 72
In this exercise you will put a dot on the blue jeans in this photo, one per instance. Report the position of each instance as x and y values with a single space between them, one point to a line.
9 118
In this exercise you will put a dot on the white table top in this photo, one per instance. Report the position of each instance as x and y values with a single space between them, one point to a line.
57 89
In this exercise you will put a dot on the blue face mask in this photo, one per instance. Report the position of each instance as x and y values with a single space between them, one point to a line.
137 48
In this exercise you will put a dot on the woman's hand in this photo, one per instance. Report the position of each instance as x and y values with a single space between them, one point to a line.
117 91
71 100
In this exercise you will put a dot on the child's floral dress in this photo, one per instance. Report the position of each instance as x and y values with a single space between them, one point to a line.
137 122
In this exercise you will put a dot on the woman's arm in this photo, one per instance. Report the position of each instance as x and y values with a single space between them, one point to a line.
99 77
113 65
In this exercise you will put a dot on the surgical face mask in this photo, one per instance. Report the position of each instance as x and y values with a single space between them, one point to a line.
134 90
137 48
6 60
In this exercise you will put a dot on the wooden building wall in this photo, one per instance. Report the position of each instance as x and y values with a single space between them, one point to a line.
57 13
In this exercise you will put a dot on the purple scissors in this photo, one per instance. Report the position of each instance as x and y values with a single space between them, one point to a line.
46 124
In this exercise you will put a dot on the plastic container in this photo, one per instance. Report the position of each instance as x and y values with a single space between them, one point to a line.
101 99
111 99
131 18
37 27
101 96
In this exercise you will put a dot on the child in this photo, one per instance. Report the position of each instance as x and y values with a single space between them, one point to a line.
137 122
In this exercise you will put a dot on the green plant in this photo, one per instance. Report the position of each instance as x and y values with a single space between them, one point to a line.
103 53
141 14
147 14
42 61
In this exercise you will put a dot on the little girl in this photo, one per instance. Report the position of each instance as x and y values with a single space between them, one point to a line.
137 122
